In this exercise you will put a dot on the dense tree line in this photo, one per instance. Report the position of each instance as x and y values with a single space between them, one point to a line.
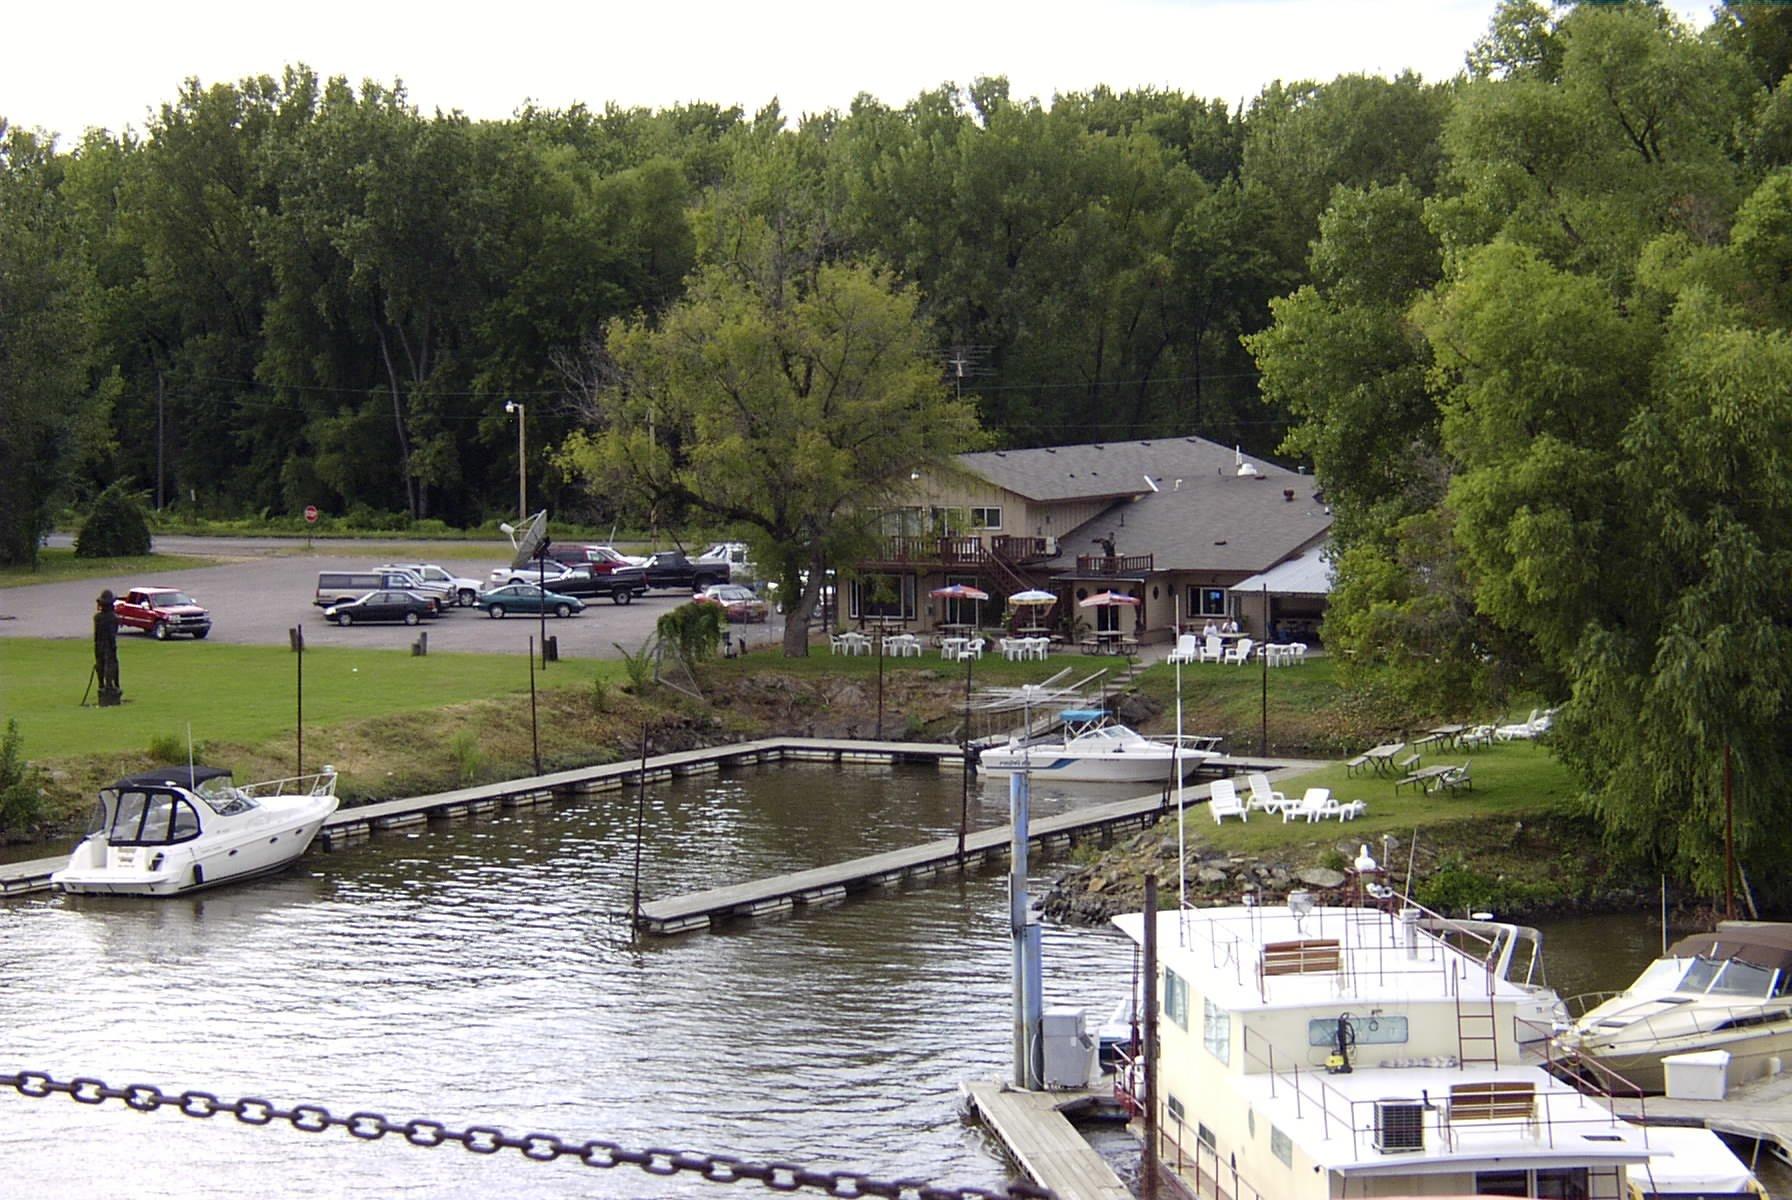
1550 396
291 291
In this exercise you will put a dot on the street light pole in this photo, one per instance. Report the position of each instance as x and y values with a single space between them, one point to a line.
522 467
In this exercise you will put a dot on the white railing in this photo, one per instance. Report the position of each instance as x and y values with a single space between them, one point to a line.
321 783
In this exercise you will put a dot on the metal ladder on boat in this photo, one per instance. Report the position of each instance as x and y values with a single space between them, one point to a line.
1477 1027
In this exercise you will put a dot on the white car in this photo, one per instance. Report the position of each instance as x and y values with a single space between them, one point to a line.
436 580
536 572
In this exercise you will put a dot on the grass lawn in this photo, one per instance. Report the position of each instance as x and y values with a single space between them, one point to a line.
240 694
1515 780
59 564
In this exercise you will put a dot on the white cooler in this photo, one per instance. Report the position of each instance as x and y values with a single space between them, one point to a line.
1701 1076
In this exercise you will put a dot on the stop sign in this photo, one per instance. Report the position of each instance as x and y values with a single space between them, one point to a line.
311 514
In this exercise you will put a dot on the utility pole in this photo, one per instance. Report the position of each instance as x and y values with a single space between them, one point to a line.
159 436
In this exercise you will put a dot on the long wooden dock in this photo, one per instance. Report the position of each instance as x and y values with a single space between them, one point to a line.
1044 1142
714 906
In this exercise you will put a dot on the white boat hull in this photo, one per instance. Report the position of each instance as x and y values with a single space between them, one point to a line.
1053 762
278 834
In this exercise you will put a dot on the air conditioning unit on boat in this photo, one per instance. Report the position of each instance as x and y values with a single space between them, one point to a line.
1399 1126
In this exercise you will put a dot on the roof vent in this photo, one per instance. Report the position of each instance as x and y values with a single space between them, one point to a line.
1288 494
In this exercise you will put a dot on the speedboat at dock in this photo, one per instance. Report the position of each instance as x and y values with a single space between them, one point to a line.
1729 991
1094 749
178 829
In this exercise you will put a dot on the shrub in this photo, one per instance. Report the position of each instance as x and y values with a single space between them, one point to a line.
469 761
694 631
21 798
638 665
115 526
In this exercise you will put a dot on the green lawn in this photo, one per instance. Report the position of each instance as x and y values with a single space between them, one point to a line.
58 565
241 694
1511 779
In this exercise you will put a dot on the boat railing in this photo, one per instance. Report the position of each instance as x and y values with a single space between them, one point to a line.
319 783
1184 1151
1581 1004
1697 1020
1456 1112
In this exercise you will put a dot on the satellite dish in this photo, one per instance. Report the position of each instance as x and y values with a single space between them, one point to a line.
528 540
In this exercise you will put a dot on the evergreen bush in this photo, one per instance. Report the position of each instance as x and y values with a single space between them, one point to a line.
115 526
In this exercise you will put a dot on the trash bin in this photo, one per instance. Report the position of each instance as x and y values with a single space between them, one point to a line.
1701 1076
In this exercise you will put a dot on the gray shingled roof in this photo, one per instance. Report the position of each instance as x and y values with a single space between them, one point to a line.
1203 515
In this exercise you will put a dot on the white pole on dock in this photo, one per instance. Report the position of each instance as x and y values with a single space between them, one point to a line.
1027 970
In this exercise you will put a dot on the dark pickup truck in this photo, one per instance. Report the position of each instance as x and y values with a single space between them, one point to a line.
670 569
620 584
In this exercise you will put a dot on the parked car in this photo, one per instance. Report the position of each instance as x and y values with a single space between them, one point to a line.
738 602
162 612
740 567
409 607
527 598
535 572
341 587
621 585
668 569
439 580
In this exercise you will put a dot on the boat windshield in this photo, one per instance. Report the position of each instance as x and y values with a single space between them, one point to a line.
225 799
1720 977
151 818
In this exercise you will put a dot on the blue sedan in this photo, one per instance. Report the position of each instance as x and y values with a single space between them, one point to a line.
527 598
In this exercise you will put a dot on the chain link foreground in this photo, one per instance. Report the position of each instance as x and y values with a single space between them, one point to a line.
484 1139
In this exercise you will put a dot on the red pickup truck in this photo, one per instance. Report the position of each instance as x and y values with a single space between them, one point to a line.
162 612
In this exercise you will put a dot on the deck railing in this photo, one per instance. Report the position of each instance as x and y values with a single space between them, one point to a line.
1117 565
961 550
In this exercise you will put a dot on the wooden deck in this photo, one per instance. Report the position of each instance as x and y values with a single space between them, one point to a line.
1043 1142
1761 1110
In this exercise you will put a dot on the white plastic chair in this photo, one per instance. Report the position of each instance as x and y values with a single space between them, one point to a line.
1223 802
1264 798
1188 650
1240 654
1213 649
972 649
837 644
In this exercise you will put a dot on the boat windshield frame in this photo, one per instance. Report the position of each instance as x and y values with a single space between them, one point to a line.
224 797
149 816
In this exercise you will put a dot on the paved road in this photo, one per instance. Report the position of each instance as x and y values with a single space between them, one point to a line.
267 587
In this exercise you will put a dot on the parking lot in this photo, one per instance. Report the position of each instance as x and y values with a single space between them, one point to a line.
267 587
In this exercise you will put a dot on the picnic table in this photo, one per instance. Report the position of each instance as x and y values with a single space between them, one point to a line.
1447 734
1381 757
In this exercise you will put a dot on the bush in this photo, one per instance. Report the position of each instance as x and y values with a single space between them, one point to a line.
21 799
469 761
693 631
115 526
173 750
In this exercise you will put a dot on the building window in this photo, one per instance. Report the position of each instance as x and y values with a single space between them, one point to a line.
986 518
1176 1110
1176 998
1282 1146
1207 601
1216 1030
1205 1136
881 596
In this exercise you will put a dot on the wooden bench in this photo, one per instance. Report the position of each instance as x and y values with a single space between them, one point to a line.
1495 1101
1309 956
1356 764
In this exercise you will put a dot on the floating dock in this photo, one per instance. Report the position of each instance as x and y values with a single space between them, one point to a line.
1760 1110
1043 1142
349 824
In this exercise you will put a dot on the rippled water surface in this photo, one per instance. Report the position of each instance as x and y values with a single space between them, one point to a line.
479 973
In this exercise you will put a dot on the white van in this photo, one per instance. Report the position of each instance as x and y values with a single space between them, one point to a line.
339 587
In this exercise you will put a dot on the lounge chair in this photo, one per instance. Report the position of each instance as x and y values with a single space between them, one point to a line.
1223 802
1264 798
1188 650
1536 726
1213 649
1454 778
1240 654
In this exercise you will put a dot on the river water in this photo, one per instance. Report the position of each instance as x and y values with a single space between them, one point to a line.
481 973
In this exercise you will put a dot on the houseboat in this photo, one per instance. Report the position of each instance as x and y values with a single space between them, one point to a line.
1312 1052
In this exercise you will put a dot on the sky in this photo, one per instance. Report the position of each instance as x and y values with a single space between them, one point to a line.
106 64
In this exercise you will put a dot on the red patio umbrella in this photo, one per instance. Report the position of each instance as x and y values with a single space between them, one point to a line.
962 591
1101 599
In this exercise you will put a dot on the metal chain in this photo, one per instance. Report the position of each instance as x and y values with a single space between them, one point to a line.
484 1139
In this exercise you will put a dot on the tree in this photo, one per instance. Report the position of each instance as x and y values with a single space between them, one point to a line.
47 400
793 406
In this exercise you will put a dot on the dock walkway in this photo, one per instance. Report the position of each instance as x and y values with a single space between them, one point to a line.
1044 1142
1761 1110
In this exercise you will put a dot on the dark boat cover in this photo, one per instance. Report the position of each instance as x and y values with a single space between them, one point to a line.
182 777
1765 944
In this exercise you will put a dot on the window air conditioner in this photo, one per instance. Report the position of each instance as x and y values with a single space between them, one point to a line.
1399 1126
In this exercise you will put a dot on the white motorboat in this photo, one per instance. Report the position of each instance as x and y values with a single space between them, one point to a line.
1309 1052
1096 750
1728 991
177 829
